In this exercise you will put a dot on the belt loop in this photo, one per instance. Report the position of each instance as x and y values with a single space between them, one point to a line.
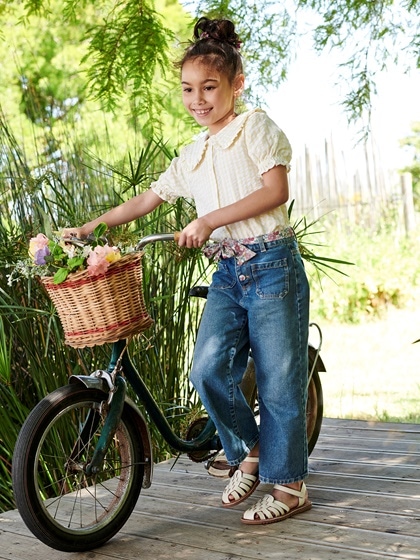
261 243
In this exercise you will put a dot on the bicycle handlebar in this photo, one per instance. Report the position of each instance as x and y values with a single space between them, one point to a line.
154 237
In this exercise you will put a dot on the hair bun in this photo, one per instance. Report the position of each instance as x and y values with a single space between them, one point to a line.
216 44
222 30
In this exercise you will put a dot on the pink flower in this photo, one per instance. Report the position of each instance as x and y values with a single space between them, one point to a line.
100 258
38 248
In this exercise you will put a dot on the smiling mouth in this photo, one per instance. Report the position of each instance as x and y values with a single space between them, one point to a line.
202 112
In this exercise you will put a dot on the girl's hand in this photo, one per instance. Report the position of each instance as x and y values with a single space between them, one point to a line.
195 234
68 233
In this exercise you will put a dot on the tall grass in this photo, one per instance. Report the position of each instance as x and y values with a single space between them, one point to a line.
43 194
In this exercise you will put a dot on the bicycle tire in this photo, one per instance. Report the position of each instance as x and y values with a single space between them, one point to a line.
62 506
314 405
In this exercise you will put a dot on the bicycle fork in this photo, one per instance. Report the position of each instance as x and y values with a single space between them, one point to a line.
117 398
113 383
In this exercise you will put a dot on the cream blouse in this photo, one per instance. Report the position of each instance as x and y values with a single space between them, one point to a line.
223 168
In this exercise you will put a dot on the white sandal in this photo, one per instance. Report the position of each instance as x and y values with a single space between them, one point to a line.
241 485
270 510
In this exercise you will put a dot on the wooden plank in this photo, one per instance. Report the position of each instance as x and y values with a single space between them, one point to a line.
296 536
332 495
367 433
188 481
351 494
337 464
153 535
365 485
123 547
394 472
366 506
351 516
366 425
395 446
365 456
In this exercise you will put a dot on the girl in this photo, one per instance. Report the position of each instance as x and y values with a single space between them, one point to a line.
259 297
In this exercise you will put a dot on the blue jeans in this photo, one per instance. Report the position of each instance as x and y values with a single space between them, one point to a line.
262 305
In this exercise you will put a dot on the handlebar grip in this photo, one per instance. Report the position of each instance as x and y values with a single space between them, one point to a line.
154 237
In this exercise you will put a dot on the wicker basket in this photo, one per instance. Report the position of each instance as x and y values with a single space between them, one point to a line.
105 308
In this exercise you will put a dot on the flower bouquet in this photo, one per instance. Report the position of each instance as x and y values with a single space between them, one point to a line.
96 288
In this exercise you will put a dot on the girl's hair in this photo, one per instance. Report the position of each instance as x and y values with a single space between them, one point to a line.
216 44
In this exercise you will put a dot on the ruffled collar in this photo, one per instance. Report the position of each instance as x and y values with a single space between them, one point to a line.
193 154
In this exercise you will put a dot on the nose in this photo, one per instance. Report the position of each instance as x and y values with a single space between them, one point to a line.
198 98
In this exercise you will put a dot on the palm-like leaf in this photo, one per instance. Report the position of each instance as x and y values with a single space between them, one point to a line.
305 234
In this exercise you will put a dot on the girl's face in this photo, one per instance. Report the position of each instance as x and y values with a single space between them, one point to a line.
208 95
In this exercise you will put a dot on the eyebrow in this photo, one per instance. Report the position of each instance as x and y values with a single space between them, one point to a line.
203 82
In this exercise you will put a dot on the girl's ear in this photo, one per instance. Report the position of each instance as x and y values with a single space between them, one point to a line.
238 85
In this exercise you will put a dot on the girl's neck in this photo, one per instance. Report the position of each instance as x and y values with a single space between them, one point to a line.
212 130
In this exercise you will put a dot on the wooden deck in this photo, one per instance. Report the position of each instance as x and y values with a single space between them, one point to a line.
364 484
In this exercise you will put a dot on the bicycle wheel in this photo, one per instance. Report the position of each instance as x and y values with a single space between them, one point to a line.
61 505
314 405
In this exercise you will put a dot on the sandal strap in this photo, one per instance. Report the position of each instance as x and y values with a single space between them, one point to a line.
251 460
239 485
266 508
301 494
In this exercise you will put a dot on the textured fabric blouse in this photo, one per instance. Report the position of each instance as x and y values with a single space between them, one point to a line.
221 169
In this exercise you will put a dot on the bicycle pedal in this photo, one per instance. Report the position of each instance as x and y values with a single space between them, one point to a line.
220 468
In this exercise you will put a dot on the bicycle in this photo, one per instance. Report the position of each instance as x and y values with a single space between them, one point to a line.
84 452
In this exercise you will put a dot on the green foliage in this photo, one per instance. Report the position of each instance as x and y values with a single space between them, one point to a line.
67 62
372 35
412 142
308 242
11 413
125 50
385 273
47 56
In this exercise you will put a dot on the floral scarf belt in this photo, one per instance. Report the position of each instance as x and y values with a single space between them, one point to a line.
227 248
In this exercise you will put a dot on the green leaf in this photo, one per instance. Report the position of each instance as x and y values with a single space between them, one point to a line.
56 251
100 230
74 263
60 275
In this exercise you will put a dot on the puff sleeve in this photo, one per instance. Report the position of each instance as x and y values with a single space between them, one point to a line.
267 144
172 184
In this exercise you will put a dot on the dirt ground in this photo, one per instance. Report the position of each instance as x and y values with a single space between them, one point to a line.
373 369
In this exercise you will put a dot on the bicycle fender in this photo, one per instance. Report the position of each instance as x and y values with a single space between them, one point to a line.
91 382
100 383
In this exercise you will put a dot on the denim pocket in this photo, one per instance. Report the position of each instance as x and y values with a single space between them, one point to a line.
271 278
222 278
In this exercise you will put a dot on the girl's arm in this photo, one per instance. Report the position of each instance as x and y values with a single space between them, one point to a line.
273 193
134 208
